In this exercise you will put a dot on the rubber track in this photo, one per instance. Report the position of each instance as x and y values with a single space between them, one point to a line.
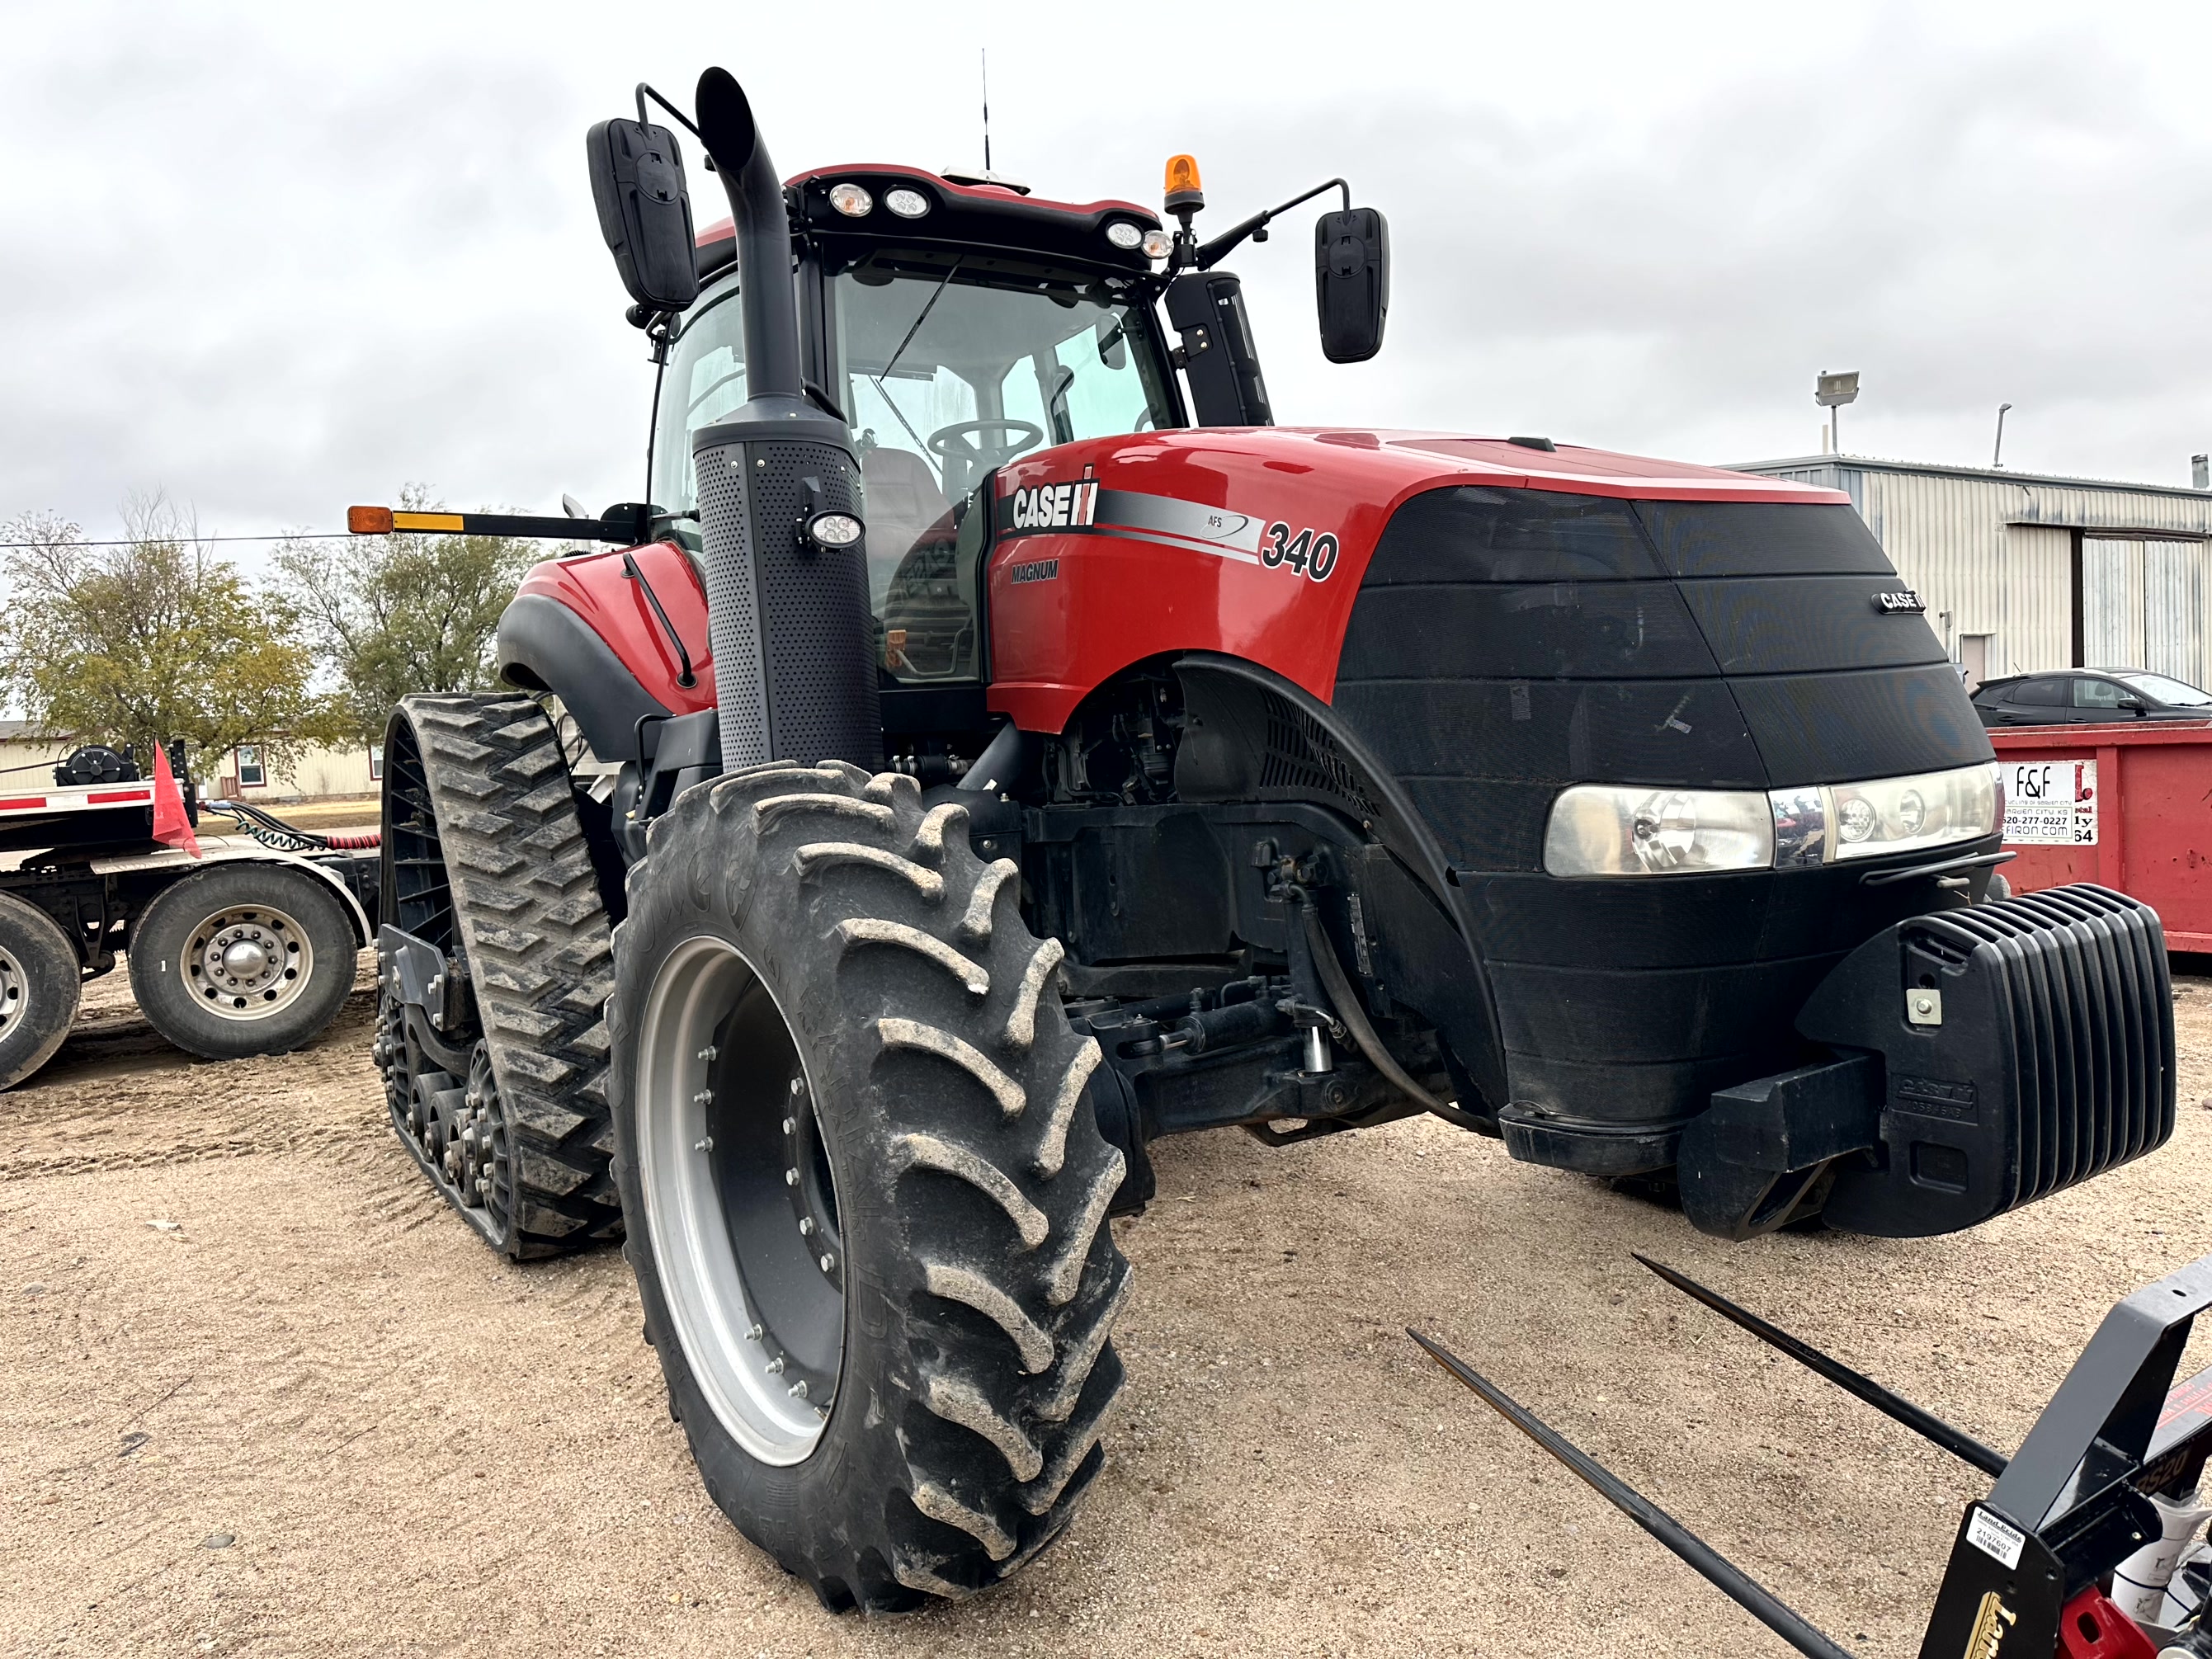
540 956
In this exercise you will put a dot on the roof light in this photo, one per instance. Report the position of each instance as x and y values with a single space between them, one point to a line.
1158 245
907 204
1123 234
851 200
1182 186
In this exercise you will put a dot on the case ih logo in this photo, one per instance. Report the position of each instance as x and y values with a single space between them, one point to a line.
1053 505
1900 600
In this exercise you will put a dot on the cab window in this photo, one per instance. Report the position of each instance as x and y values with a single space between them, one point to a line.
704 382
948 373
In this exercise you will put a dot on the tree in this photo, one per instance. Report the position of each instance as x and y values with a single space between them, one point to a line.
156 639
395 614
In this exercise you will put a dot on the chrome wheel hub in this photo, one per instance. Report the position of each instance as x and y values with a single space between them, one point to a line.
247 963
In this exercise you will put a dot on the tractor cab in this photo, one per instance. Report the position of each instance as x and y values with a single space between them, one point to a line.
955 323
953 327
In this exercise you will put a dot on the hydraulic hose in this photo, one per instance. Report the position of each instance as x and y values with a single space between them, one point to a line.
1354 1020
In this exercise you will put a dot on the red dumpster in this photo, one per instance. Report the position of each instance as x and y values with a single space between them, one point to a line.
2128 806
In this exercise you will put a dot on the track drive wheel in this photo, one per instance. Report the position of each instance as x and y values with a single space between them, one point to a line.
486 862
867 1196
40 985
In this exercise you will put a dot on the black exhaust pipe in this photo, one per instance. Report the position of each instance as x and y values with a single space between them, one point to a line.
788 616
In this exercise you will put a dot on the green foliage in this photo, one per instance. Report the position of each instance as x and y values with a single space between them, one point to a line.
161 638
391 615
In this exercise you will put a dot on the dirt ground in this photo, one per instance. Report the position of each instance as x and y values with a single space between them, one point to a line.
307 1412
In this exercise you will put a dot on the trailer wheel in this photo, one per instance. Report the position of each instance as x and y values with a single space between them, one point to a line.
243 959
866 1197
40 982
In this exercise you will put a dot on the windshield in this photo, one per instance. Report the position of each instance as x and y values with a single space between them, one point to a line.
2175 694
947 372
946 369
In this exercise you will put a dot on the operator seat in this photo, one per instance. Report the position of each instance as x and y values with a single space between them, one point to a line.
904 500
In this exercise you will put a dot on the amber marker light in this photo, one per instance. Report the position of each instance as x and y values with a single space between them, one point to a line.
1182 188
368 521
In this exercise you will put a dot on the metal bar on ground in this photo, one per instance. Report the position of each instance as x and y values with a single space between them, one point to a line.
1718 1571
1925 1424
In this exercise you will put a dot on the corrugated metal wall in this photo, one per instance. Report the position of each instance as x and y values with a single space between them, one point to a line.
2113 603
1993 555
2035 627
2173 610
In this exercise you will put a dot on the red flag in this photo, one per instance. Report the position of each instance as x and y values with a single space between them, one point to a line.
170 824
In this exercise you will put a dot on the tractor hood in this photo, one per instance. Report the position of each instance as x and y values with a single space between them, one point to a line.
1491 623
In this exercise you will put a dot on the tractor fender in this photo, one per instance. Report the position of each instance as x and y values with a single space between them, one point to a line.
1252 734
619 637
544 646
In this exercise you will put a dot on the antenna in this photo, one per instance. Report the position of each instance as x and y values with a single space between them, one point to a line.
985 53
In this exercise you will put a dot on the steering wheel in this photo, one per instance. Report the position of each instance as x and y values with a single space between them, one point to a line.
954 442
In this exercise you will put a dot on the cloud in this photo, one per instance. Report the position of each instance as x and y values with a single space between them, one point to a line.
272 263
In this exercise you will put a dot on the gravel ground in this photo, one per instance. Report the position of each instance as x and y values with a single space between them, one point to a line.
307 1412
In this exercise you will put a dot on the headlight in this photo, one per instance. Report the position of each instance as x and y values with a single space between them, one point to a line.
1122 234
907 204
1898 815
1600 830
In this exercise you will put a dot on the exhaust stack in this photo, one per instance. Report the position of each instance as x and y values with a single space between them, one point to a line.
788 618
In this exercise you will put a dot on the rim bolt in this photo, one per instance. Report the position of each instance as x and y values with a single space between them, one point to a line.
775 1366
752 1333
791 1178
805 1224
829 1264
797 1390
789 1124
706 1052
702 1097
798 1088
706 1146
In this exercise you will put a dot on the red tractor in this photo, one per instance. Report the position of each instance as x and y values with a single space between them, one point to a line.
996 746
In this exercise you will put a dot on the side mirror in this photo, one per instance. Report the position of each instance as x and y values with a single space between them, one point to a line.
644 213
1352 282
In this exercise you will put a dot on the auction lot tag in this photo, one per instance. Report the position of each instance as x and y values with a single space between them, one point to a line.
1996 1538
2050 803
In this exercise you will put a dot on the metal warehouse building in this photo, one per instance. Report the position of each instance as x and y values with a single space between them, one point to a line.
2022 571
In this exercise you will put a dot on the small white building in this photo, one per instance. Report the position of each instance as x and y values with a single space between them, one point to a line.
2023 571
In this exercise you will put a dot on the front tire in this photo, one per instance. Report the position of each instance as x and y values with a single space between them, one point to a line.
865 1196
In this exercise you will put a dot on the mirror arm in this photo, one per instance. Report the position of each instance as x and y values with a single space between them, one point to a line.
1214 252
645 92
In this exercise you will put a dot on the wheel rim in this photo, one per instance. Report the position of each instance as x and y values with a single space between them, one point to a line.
740 1201
247 962
14 992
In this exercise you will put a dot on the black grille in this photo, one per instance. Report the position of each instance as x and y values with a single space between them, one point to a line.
1302 757
2081 981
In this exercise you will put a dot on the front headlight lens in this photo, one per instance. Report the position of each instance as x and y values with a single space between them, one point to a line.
1597 829
1899 815
1600 829
1124 235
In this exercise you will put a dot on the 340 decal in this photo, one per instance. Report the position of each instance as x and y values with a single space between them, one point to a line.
1311 552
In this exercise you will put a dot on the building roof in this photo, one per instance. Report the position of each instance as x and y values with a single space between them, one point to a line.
1995 475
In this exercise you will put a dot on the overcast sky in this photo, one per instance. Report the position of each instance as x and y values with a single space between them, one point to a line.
275 260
